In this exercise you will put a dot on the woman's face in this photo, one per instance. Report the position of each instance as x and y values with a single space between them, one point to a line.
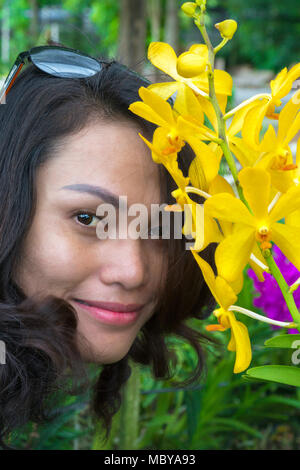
62 254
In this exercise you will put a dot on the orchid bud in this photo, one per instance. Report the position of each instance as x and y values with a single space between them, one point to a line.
190 65
227 28
189 8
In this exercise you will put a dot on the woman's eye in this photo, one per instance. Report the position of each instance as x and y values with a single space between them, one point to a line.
87 219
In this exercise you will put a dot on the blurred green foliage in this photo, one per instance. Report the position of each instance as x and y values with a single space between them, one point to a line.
267 35
98 38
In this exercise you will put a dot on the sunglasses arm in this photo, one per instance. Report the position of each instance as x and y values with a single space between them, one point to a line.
14 72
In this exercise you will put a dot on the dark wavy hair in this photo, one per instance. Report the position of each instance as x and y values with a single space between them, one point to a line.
40 335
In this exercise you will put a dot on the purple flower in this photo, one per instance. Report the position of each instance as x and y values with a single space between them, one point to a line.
270 299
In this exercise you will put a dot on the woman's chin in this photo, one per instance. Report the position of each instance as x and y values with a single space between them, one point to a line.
92 353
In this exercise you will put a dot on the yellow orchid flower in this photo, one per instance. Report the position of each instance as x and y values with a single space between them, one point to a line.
163 57
192 109
265 107
161 154
175 131
273 153
155 109
159 112
215 233
273 145
281 86
225 297
261 226
283 170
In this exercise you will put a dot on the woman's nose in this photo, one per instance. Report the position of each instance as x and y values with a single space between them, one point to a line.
124 263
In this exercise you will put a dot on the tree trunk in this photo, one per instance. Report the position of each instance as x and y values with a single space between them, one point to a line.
155 14
34 23
5 34
172 24
132 36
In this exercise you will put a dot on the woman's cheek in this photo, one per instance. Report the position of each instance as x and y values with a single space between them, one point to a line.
53 263
67 258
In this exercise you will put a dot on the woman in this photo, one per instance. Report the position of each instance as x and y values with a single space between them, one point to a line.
69 145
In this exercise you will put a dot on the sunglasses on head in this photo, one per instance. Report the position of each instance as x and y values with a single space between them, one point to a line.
55 60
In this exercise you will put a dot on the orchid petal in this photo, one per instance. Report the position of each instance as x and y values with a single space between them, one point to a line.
256 184
287 203
166 89
220 185
159 105
292 129
280 84
268 140
220 289
287 238
241 345
237 122
293 219
286 117
253 123
187 104
245 154
281 180
146 112
163 57
205 160
224 206
233 253
223 84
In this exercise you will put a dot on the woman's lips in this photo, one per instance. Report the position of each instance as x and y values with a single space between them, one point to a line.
110 312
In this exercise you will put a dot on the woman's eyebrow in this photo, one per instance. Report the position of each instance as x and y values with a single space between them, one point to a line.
102 193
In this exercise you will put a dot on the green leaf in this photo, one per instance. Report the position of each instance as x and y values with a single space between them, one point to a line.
283 341
279 400
238 426
275 373
248 378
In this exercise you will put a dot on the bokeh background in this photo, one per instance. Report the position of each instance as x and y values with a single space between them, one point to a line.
223 410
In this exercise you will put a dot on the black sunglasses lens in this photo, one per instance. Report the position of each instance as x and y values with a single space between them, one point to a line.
65 64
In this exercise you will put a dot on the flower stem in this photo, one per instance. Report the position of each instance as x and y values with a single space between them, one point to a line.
129 411
284 287
222 44
213 98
